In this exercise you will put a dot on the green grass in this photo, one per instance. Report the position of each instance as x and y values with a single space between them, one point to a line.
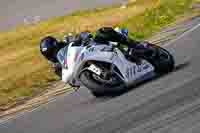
25 72
152 20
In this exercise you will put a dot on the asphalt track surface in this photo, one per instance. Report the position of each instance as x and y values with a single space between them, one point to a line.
14 12
168 104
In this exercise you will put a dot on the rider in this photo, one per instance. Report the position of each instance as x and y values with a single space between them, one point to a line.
132 50
55 51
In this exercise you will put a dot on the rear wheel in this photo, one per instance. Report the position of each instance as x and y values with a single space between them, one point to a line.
160 58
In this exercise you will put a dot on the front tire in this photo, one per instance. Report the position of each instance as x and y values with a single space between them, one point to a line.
99 88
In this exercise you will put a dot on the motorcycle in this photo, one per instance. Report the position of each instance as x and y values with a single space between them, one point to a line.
107 69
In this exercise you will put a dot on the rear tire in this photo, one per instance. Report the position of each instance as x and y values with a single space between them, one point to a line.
160 58
163 65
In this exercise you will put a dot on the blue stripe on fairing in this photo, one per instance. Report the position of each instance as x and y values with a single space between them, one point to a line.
147 76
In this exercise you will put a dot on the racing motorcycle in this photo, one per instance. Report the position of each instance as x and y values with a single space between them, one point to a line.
107 69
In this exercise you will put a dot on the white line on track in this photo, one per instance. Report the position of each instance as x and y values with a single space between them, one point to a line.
55 99
2 122
183 35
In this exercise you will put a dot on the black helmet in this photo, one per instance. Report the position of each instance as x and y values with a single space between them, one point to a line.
49 48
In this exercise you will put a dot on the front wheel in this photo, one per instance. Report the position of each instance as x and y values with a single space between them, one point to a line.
101 87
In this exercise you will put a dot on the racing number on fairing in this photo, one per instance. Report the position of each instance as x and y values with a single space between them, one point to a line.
131 72
136 69
95 69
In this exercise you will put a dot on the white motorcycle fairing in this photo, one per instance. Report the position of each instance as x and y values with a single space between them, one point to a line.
69 65
130 71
